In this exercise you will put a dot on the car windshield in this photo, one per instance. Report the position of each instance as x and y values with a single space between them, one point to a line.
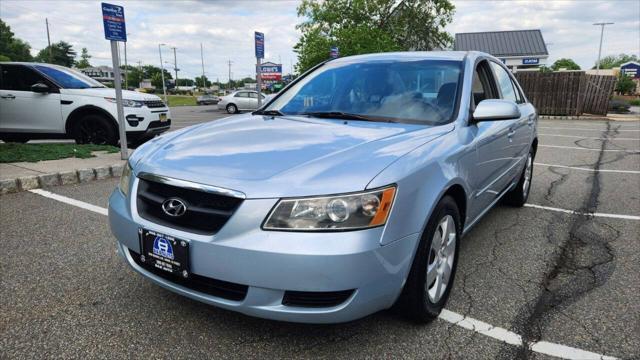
422 91
67 78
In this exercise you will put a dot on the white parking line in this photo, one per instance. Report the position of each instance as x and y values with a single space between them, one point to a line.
504 335
573 212
70 201
594 138
583 129
588 169
498 333
588 149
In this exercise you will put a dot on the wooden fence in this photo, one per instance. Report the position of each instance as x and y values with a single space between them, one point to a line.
567 93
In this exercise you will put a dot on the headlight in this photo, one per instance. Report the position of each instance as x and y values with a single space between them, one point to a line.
125 179
126 103
332 213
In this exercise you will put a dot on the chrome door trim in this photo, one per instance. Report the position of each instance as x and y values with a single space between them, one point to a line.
191 185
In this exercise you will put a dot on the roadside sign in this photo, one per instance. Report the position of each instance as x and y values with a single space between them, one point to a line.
259 40
530 61
113 19
335 52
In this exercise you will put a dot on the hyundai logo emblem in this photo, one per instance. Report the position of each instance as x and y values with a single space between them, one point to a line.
174 207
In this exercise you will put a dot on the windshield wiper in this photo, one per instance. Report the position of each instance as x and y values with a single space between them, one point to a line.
268 112
345 116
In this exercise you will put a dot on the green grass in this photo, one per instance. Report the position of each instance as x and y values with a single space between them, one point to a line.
12 152
181 100
635 102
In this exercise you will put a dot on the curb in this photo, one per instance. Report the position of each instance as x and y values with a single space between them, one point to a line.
25 183
565 117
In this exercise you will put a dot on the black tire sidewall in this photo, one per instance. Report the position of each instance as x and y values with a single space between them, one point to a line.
231 107
517 197
109 128
416 300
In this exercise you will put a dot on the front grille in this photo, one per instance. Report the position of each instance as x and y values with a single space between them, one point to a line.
206 212
154 103
159 124
218 288
315 299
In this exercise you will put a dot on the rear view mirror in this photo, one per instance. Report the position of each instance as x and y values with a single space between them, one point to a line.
40 88
496 109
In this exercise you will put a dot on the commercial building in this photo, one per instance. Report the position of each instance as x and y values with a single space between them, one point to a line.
103 74
518 49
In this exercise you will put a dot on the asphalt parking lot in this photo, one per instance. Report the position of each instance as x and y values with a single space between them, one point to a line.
558 277
183 116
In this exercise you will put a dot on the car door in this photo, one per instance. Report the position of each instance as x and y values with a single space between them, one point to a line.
253 98
519 135
23 110
241 98
488 178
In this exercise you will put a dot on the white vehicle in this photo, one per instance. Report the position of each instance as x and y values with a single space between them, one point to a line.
45 101
241 100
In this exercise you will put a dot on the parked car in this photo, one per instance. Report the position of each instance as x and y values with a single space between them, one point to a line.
347 193
43 101
207 99
240 100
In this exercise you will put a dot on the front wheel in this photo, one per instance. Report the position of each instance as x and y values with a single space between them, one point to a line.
95 129
518 196
14 138
232 109
434 267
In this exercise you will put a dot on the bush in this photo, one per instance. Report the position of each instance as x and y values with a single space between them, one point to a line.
625 85
634 102
618 106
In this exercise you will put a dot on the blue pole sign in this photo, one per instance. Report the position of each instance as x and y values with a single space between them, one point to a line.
335 52
530 61
259 39
113 18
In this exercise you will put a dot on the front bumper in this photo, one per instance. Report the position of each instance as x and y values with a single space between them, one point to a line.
270 263
143 119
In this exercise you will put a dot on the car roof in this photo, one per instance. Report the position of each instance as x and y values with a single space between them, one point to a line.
27 63
407 55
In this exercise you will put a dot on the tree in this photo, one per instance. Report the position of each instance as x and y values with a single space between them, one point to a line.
62 53
201 83
12 48
185 82
625 85
613 61
565 63
84 59
366 26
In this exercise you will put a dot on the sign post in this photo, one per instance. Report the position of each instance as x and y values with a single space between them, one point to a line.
259 45
115 30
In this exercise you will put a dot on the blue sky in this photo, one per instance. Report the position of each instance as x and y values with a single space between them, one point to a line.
225 28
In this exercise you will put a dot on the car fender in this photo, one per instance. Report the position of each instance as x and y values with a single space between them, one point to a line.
71 117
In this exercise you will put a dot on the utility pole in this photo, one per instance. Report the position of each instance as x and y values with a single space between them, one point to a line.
126 69
602 25
164 87
46 21
204 82
229 63
175 66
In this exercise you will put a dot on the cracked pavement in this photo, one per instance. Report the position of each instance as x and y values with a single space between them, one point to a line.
562 278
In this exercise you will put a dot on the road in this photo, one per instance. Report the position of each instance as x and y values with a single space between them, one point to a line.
558 277
183 116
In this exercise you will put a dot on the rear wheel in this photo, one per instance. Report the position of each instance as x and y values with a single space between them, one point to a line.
518 196
95 129
232 109
14 138
434 267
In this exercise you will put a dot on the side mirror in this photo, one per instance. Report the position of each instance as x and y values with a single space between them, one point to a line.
496 109
40 88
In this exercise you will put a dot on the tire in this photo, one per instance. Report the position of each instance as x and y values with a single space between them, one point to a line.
232 109
518 196
422 298
14 138
95 129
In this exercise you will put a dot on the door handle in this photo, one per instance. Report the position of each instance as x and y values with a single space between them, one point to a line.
8 96
511 132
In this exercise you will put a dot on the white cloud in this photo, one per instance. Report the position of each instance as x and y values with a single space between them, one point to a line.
226 28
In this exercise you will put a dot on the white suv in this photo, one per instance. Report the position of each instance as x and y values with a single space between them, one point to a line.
45 101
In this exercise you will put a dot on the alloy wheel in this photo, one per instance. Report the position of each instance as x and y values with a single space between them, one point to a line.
527 176
441 258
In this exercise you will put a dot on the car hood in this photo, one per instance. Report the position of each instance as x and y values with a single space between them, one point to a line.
283 156
109 92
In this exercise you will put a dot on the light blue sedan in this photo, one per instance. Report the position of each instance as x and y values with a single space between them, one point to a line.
345 194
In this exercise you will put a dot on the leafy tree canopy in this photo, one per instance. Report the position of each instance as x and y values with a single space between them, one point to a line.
62 53
202 81
565 63
12 48
84 59
366 26
613 61
136 74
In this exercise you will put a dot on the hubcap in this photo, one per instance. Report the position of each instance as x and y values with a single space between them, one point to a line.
527 176
441 256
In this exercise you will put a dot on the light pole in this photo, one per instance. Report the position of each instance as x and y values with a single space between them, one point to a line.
175 66
164 87
126 70
602 25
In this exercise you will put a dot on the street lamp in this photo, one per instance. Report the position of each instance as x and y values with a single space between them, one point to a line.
126 66
164 87
602 25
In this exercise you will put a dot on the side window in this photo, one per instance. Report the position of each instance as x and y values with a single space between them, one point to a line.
253 95
504 82
19 78
242 94
519 97
482 84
